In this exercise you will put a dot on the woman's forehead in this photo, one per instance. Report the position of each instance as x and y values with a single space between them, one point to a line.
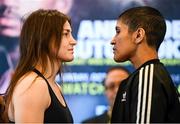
67 26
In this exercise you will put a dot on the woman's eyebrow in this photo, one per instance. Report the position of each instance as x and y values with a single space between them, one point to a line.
67 30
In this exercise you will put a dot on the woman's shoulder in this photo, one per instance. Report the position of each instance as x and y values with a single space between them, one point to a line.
30 81
30 96
31 87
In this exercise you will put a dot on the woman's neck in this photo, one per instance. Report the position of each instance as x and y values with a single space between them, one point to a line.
49 72
143 55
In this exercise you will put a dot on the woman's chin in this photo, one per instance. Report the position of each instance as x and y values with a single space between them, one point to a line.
116 59
69 59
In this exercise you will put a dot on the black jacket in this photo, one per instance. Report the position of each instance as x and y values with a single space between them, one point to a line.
148 95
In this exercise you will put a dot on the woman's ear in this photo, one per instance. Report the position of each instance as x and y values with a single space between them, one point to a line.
139 35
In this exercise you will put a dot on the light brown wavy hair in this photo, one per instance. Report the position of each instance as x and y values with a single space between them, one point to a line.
36 45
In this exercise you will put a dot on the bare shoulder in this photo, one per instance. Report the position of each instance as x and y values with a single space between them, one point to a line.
31 90
30 99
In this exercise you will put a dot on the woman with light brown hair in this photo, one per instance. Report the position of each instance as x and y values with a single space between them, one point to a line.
33 95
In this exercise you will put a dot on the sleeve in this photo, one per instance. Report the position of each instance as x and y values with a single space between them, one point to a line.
148 100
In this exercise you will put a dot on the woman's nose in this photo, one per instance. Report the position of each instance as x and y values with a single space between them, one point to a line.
113 41
73 41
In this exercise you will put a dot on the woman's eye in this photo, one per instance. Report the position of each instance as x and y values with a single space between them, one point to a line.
65 34
117 31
